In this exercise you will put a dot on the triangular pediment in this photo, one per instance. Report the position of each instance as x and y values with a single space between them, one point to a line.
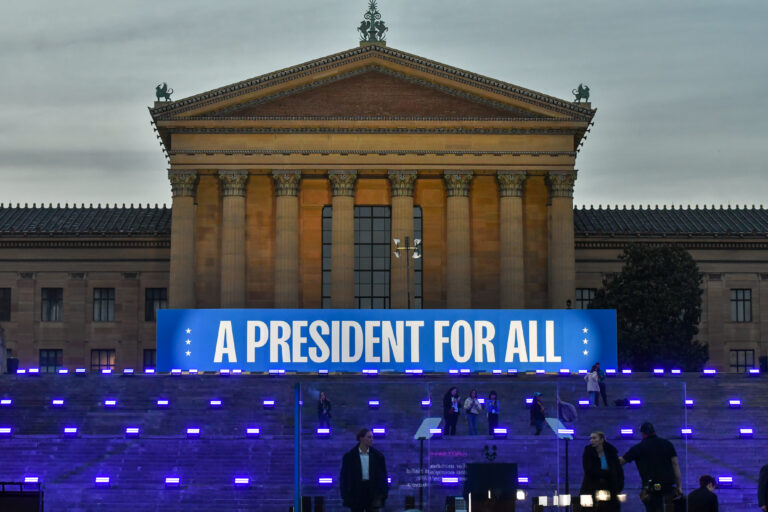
373 92
373 81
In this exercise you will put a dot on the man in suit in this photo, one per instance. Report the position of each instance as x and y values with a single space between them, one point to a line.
704 498
363 479
762 489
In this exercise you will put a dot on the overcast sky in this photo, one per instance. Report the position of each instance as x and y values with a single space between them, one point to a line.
681 86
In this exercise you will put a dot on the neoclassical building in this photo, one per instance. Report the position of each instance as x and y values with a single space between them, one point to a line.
289 188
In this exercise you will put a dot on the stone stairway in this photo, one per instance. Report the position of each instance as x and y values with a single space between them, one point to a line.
207 465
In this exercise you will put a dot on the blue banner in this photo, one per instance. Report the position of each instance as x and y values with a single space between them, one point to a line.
353 340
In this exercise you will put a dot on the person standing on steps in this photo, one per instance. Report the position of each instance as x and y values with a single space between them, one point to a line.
656 461
451 406
593 386
472 407
602 471
538 413
601 382
704 498
492 407
762 489
323 411
363 481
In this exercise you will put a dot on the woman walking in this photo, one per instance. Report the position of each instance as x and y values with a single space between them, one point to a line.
602 472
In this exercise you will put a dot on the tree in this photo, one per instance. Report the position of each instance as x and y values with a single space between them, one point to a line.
657 296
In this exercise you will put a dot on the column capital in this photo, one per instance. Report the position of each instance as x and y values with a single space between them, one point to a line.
402 183
343 182
458 183
183 182
233 182
561 183
511 183
286 183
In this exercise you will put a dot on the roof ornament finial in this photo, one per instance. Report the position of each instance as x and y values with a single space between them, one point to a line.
372 29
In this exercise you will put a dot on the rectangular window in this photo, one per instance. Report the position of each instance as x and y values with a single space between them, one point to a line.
103 304
51 360
102 359
741 305
327 237
373 245
5 304
373 248
155 298
150 358
742 360
51 304
584 297
418 233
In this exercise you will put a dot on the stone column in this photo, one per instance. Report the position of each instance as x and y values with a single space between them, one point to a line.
287 238
402 227
458 240
181 289
233 238
561 254
343 239
511 241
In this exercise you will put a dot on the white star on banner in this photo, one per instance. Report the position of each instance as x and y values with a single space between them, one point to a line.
189 342
189 353
585 341
586 352
190 330
584 330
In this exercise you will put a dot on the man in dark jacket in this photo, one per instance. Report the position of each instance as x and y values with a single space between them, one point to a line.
704 498
656 461
363 479
762 489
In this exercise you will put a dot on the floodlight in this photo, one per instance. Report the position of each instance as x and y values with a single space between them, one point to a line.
746 432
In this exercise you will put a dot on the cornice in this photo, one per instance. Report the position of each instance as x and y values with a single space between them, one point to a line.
386 54
582 243
376 131
264 151
106 243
